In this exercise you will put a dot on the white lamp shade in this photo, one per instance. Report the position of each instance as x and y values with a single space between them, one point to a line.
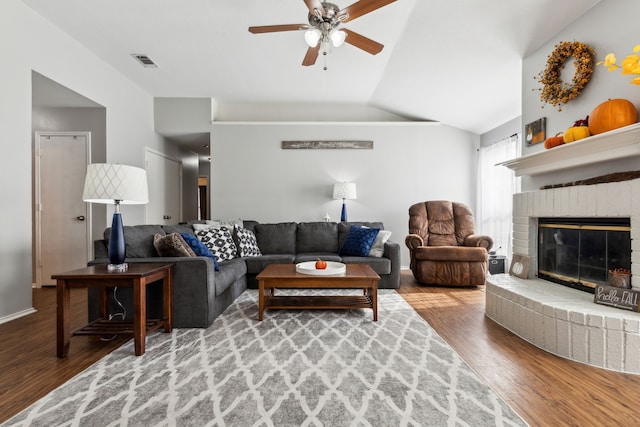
312 37
344 190
106 183
337 37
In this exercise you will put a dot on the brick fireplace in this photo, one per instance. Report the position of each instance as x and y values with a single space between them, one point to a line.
562 320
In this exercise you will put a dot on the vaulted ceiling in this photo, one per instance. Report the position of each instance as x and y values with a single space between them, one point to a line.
457 62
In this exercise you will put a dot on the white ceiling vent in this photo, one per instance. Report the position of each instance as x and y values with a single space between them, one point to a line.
144 60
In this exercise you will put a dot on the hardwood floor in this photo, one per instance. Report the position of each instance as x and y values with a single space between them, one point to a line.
29 366
544 389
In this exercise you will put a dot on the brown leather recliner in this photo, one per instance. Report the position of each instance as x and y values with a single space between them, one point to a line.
443 245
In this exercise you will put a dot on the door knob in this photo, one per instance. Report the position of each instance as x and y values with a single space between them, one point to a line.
80 218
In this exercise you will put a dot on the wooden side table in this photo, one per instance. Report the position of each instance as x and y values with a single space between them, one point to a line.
138 276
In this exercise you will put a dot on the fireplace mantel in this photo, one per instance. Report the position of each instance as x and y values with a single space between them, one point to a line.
615 144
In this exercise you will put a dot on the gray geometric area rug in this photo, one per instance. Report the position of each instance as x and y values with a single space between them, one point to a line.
295 368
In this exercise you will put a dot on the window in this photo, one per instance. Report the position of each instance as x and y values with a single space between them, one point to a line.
496 186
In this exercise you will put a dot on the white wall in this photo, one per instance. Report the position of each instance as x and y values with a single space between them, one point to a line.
610 26
178 116
252 177
29 42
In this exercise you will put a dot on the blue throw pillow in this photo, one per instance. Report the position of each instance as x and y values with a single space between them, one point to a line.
199 248
359 241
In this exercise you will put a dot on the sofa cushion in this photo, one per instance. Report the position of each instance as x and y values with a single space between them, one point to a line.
379 265
220 242
317 237
199 248
230 271
250 224
277 238
138 239
257 264
247 243
178 228
359 241
172 245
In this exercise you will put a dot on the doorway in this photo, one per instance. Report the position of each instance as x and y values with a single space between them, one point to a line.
203 201
164 177
62 219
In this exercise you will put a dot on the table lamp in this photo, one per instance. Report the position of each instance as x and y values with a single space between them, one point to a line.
344 191
119 185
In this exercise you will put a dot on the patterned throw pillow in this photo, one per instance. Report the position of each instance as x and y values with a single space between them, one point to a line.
219 242
247 242
172 245
359 241
199 248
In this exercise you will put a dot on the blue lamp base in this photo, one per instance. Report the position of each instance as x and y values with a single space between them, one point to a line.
117 248
343 216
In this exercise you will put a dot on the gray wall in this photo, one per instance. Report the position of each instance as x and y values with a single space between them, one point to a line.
30 43
501 132
610 26
252 177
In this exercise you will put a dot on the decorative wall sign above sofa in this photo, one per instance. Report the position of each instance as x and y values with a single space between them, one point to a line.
320 145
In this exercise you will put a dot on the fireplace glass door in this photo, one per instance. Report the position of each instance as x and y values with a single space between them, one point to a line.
579 252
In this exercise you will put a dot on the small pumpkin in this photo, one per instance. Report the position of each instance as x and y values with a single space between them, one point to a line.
554 141
612 114
579 130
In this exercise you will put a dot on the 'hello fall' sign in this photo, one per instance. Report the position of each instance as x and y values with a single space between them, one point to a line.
626 299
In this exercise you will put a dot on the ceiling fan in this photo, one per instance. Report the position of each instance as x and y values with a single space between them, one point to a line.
322 30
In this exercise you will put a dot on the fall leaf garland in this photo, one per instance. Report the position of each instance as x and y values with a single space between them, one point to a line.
554 91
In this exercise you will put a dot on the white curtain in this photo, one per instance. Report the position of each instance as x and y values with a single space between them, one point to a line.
496 186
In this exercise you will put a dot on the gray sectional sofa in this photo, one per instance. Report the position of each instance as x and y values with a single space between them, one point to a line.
200 293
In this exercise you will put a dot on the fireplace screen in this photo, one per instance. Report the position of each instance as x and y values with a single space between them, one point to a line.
579 252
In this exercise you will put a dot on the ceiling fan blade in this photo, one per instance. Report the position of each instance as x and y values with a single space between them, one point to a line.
276 28
362 42
312 5
362 7
311 56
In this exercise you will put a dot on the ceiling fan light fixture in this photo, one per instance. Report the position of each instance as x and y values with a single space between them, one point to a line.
312 37
337 37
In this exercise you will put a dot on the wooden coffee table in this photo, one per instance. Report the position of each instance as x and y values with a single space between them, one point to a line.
284 276
138 276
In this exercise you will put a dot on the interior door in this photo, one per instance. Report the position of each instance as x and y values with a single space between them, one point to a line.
164 176
62 220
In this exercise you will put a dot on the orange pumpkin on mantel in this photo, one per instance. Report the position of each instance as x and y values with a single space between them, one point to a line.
612 114
554 141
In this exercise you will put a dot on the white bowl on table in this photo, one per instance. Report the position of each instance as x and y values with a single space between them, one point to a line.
333 268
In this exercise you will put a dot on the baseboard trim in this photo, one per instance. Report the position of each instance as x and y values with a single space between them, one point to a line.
17 315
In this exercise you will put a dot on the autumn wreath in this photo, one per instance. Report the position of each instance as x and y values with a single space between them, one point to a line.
554 91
